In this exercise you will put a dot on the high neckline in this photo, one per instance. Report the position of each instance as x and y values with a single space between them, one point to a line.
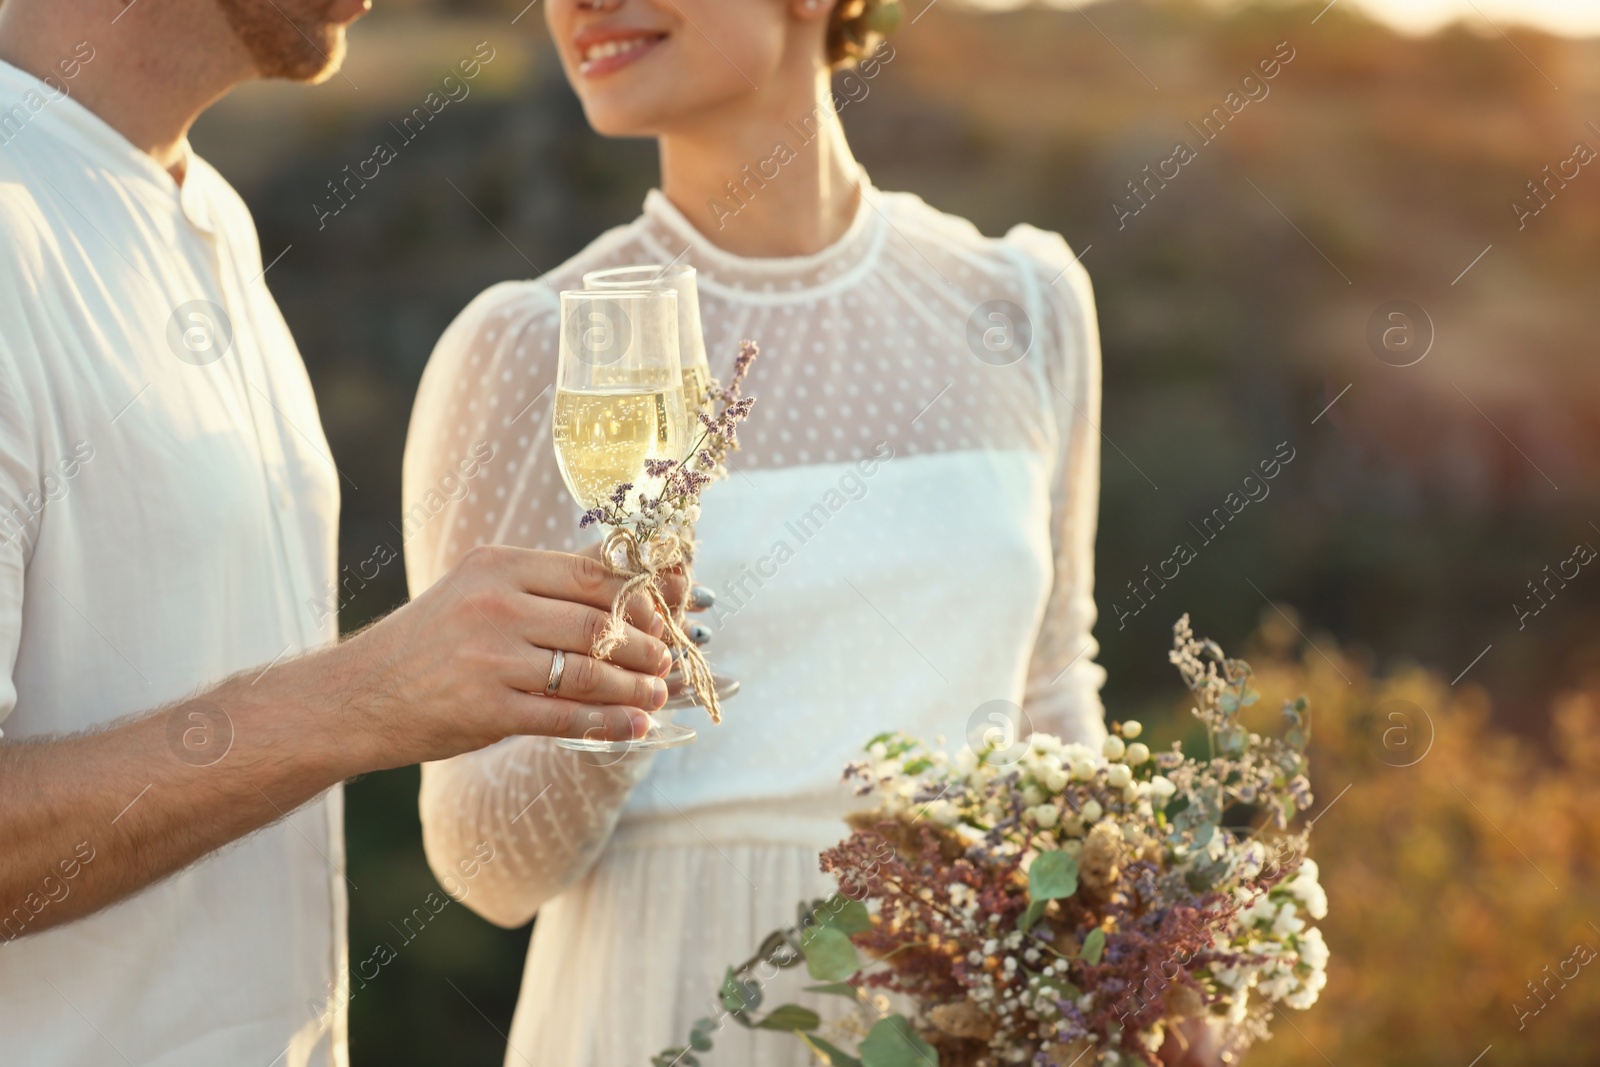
767 278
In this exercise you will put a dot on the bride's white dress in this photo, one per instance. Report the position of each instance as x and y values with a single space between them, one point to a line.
907 536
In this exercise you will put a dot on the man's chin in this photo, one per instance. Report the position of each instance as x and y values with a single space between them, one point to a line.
294 40
336 50
312 64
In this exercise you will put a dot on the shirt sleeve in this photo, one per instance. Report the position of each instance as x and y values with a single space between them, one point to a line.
20 501
479 469
1063 687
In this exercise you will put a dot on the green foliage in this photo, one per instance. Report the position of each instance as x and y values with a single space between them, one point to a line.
893 1043
829 1054
789 1018
830 955
1052 876
739 996
1094 946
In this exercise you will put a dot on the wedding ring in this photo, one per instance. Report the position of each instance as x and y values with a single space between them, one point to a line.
558 667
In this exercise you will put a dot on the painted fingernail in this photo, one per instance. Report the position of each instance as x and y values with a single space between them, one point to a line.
700 635
701 598
658 693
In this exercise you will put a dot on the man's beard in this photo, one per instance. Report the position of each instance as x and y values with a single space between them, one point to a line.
291 39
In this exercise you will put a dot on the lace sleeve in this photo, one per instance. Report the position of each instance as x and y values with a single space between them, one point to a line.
1063 690
479 470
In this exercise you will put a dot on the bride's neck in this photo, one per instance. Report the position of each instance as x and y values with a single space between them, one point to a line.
777 182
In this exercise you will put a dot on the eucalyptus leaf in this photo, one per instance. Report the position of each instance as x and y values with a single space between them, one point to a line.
1052 876
739 996
845 915
1031 917
830 955
893 1043
790 1017
832 1055
1093 946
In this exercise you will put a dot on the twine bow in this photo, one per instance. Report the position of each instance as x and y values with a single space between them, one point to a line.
625 556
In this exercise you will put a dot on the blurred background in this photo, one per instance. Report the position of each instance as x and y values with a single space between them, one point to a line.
1414 567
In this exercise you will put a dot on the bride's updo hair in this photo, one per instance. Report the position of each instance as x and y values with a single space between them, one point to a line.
857 27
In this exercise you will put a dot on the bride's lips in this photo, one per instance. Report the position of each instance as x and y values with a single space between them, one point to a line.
605 50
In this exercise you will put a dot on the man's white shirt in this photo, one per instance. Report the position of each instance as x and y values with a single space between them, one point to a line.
168 517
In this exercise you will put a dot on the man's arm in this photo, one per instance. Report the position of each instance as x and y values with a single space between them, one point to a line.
452 671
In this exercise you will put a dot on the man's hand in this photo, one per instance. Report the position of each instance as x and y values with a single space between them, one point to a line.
467 662
460 667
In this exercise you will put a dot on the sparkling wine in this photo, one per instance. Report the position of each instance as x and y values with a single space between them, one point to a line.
695 381
603 438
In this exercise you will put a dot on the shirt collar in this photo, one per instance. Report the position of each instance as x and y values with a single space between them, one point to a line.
61 117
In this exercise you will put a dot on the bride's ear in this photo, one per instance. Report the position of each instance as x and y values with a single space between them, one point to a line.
808 10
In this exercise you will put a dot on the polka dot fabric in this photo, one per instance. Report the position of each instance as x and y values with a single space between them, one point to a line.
906 542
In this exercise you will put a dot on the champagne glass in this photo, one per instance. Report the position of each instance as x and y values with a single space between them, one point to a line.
619 403
678 278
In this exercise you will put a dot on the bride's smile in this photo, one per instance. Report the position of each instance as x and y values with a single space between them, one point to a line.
604 50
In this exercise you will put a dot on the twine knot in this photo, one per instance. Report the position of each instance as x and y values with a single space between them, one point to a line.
625 557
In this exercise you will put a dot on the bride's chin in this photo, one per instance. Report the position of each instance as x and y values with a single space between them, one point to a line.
610 124
646 112
616 119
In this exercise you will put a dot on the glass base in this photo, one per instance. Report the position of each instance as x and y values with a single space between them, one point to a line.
660 735
679 695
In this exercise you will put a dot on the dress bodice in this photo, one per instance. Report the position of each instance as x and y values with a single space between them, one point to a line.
905 539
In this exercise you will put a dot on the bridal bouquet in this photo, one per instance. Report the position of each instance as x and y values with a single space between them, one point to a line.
1060 907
